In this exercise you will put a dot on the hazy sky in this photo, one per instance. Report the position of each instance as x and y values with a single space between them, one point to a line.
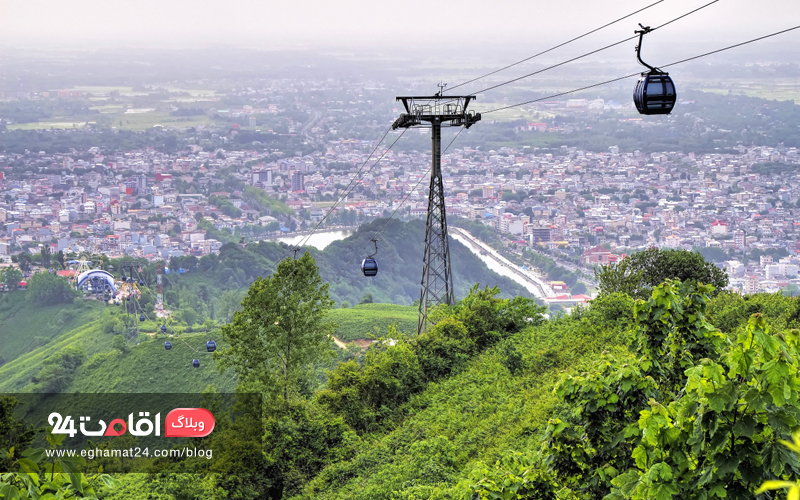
373 24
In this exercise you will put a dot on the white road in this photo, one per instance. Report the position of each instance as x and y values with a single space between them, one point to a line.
501 265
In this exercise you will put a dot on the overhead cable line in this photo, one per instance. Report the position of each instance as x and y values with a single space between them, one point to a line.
554 47
347 193
330 211
592 52
637 74
731 47
175 334
395 210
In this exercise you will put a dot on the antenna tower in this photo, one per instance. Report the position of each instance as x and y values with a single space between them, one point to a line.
434 112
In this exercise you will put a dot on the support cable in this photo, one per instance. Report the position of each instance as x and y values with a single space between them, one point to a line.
553 48
638 74
347 192
174 333
342 197
395 210
592 52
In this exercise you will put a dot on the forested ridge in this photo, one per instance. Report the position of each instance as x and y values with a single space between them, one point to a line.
214 285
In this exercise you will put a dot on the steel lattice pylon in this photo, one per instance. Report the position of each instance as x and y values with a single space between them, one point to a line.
436 286
437 277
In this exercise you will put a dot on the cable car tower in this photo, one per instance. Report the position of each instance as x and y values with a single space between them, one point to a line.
434 112
131 280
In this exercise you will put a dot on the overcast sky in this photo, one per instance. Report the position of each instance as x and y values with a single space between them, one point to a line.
373 24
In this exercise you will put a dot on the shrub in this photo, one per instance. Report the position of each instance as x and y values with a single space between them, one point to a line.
443 348
58 370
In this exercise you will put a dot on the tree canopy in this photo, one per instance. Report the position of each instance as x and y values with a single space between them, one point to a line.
47 288
281 330
637 274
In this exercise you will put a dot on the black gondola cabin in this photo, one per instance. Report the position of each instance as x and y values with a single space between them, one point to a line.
369 267
654 94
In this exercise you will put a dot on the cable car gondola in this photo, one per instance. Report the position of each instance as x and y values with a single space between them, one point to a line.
168 345
211 346
654 93
141 317
369 266
196 363
163 328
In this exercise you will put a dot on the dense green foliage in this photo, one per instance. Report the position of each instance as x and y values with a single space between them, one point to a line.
48 288
264 203
225 206
15 434
637 274
58 370
36 476
368 395
10 277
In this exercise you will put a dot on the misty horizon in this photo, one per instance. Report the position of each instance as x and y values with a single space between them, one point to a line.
375 27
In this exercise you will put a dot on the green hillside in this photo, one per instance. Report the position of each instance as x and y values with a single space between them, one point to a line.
24 326
148 367
493 398
463 422
15 376
365 320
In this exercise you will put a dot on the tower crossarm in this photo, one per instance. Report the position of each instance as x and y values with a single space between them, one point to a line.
447 111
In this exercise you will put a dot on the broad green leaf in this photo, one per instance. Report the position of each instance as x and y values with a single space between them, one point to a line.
719 399
640 456
719 491
9 492
35 454
75 477
745 426
726 464
27 465
627 482
662 491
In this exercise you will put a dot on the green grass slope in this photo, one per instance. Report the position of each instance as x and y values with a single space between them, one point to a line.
15 376
366 320
470 419
148 367
25 326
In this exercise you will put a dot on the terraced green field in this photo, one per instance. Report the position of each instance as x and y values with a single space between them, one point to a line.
373 320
